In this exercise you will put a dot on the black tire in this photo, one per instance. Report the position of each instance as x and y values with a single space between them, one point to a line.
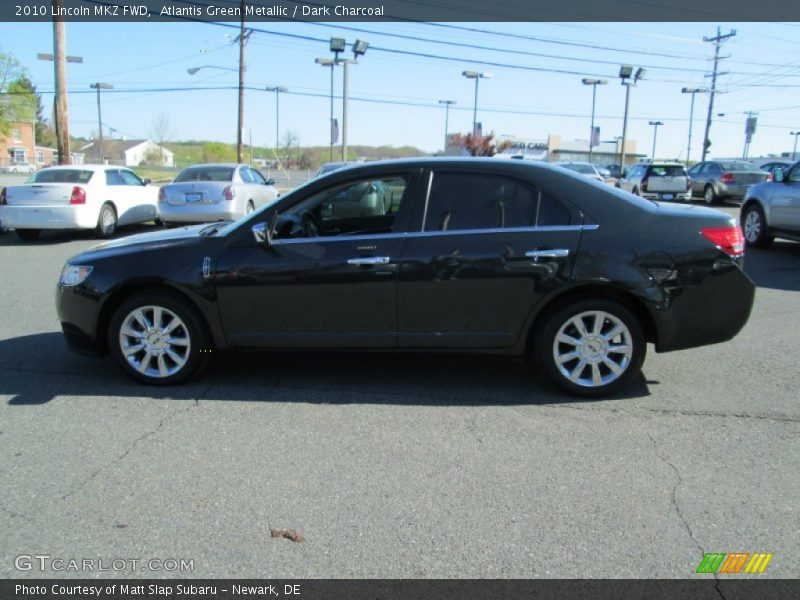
710 195
106 221
613 314
28 234
143 368
249 208
635 191
755 232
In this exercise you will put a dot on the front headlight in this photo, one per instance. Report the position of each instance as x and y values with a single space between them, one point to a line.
74 274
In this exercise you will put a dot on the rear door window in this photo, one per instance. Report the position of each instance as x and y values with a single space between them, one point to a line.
462 201
114 178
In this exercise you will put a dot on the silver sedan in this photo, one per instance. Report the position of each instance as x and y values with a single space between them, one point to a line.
214 192
772 209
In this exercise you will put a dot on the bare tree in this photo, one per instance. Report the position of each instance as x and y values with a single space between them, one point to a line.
161 130
479 145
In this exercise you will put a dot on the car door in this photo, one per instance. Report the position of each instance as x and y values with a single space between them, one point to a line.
142 198
696 173
785 209
328 279
118 192
266 194
483 249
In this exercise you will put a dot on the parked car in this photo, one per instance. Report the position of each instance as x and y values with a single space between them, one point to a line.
214 192
715 180
473 255
657 181
96 197
584 168
772 209
771 165
16 168
330 167
614 170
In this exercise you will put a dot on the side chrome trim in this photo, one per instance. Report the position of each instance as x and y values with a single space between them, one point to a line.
417 234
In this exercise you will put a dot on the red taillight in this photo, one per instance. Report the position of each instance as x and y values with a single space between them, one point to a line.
162 197
769 177
3 200
688 183
229 193
728 239
726 178
78 196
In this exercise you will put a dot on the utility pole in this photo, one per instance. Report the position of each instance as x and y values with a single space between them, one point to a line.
242 39
100 86
60 62
717 41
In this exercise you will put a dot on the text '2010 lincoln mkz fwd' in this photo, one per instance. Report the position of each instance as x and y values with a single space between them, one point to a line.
467 255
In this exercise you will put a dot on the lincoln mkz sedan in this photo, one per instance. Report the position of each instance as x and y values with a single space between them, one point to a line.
474 255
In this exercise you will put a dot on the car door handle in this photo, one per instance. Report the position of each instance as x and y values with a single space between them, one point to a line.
369 260
549 253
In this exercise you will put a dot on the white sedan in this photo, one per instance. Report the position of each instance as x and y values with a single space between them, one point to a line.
98 197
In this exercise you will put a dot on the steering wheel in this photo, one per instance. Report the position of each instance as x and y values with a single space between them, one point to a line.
309 224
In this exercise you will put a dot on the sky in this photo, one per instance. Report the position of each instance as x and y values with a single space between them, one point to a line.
522 98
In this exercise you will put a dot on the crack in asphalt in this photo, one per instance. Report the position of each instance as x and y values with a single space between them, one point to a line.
683 413
147 434
673 498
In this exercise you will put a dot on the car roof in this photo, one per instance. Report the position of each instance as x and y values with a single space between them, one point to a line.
84 167
203 165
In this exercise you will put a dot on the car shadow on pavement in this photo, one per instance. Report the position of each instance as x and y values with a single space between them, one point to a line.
52 237
777 267
35 369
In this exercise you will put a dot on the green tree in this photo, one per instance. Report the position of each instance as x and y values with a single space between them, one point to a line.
217 152
45 132
17 101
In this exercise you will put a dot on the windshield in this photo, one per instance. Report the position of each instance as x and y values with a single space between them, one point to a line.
667 171
738 166
205 174
62 176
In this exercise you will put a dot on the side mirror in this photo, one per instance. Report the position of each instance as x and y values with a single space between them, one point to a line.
270 182
777 175
147 181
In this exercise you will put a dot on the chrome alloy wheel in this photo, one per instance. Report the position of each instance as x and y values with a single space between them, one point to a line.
154 341
752 225
593 348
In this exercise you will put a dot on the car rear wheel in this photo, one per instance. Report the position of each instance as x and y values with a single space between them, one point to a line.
754 227
709 195
106 222
591 347
157 339
250 208
28 234
635 191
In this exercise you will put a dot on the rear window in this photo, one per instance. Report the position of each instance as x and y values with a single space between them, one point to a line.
738 166
667 171
205 174
62 176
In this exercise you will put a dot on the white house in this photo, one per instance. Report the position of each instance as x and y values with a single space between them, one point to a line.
130 153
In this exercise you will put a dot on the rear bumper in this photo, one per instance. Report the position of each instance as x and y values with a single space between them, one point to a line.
198 213
49 217
713 311
732 190
667 196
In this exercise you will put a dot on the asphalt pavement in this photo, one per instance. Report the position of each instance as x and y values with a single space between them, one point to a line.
396 466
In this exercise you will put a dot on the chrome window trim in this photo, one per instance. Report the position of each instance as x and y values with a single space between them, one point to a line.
417 234
427 197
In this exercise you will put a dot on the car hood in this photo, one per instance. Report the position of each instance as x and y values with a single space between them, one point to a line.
144 242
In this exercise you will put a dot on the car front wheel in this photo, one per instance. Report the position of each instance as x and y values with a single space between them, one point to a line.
755 227
157 339
591 347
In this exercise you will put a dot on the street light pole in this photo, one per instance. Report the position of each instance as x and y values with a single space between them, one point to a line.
338 45
447 104
691 91
794 151
655 125
594 83
476 75
327 62
277 89
100 86
629 80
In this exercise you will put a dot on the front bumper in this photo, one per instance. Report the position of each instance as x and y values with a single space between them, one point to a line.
78 308
49 217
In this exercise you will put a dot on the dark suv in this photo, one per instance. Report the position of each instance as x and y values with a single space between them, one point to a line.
468 255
